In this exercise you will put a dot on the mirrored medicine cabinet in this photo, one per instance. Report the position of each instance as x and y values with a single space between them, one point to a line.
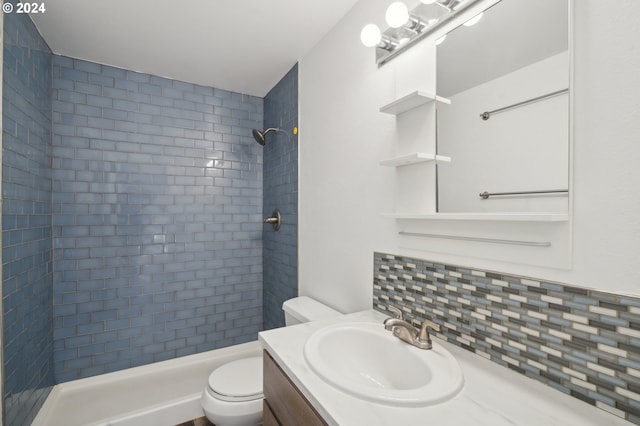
507 127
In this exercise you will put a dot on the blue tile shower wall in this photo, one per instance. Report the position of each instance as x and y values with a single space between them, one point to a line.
280 258
157 218
26 221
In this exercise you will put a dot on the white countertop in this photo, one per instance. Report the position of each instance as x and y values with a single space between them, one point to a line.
492 395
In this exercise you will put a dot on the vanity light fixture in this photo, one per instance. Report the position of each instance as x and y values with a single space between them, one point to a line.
371 36
397 14
408 26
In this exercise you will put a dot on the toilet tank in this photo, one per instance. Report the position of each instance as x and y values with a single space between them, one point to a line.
304 309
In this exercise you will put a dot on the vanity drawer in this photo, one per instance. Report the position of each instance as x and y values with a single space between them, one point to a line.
284 404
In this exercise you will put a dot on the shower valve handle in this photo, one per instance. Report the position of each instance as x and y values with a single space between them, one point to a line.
274 220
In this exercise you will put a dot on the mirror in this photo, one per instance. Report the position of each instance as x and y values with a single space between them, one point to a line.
507 127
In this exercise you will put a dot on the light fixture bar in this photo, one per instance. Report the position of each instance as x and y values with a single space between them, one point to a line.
408 27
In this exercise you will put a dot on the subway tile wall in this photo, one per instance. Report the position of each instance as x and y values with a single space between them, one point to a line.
157 218
26 221
584 343
280 255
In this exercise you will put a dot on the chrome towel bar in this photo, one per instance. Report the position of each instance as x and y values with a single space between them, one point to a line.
484 195
478 239
487 114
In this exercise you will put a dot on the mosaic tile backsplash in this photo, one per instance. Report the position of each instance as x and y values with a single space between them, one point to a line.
584 343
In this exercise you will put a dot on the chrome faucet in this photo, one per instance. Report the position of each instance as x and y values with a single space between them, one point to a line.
408 333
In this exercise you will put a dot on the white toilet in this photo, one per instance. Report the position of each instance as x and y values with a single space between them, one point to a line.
233 396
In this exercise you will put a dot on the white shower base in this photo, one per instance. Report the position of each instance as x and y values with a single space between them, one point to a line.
163 393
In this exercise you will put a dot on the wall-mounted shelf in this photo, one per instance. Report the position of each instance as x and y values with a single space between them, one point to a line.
411 101
507 217
414 158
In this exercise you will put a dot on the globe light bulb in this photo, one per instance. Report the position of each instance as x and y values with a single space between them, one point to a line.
397 14
473 20
370 35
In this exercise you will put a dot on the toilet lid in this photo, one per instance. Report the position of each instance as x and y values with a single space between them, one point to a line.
239 380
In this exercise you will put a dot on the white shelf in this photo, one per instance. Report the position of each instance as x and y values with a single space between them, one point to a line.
507 217
415 158
411 101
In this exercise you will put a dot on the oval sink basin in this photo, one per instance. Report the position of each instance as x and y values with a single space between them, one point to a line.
367 361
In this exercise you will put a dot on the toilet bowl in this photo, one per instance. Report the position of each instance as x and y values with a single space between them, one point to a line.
233 396
234 393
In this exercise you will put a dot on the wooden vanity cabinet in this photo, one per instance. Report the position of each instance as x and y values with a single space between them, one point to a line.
284 404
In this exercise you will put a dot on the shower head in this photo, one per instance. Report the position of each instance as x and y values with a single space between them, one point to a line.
259 135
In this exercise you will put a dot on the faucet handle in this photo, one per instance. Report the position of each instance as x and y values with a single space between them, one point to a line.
397 312
424 336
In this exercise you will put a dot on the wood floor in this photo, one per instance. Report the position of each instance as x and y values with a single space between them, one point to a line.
202 421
